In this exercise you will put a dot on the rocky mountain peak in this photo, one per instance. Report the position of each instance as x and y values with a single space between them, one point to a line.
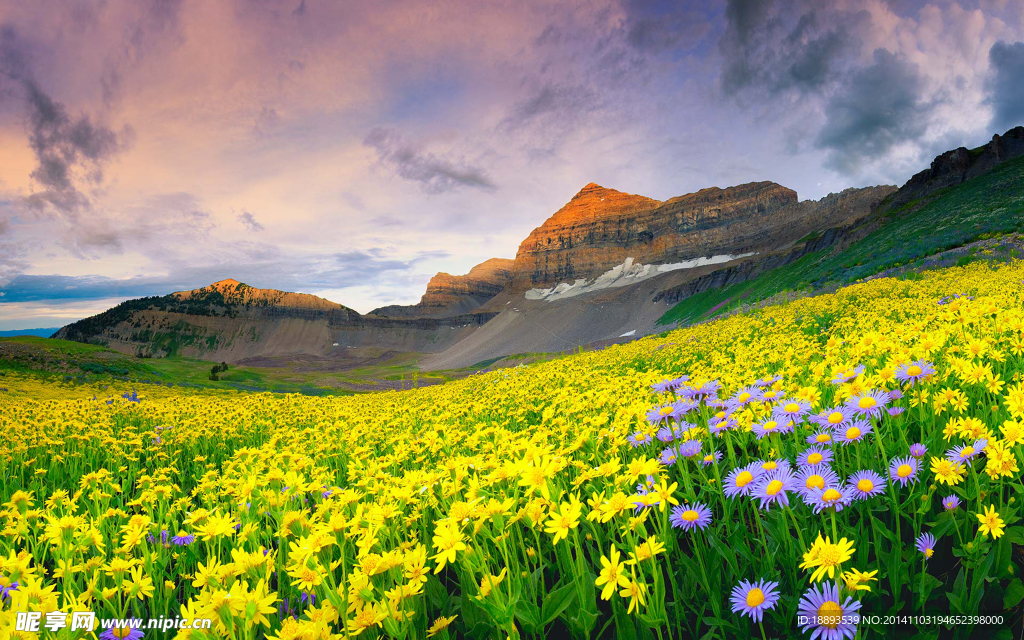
232 292
600 228
447 294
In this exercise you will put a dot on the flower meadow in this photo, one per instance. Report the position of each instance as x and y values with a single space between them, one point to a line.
790 473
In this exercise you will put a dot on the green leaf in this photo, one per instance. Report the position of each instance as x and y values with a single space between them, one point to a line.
1014 535
437 594
1014 594
528 617
624 627
954 602
727 554
556 602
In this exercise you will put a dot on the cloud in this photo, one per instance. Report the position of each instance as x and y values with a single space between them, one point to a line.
437 174
68 150
1006 85
266 119
880 107
766 51
663 25
559 101
249 221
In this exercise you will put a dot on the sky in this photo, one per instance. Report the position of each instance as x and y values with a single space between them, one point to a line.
353 149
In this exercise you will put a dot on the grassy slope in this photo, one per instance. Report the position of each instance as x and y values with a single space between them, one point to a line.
87 362
989 204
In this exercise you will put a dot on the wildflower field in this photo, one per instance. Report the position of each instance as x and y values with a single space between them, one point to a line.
809 470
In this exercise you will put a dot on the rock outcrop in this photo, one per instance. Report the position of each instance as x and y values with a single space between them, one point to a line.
600 228
447 294
959 165
231 292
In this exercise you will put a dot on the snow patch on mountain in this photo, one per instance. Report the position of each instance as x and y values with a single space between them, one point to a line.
622 275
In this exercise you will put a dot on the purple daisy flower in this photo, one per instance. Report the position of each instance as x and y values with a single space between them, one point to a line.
847 374
820 477
821 436
121 633
766 428
754 598
837 497
183 539
771 465
661 413
918 450
773 395
741 480
915 372
951 503
673 431
825 615
853 432
869 403
746 395
865 484
690 448
903 470
774 487
832 418
792 410
814 456
639 439
669 384
711 458
718 427
965 453
768 381
5 592
925 543
895 394
895 411
668 456
688 518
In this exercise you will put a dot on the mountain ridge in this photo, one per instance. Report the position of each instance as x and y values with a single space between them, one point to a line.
711 239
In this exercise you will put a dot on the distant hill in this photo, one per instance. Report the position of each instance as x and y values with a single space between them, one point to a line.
43 333
231 321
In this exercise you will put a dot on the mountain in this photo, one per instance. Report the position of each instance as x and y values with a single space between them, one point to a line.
43 333
601 228
607 267
231 321
449 295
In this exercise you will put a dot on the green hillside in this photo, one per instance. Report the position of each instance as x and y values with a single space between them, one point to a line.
986 206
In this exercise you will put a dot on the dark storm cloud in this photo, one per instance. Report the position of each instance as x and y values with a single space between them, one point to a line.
67 149
880 106
437 174
250 221
1006 85
807 55
773 49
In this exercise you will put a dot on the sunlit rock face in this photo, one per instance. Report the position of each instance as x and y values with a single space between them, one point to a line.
447 294
600 228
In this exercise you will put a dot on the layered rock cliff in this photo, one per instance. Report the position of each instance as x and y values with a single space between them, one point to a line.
599 228
447 294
